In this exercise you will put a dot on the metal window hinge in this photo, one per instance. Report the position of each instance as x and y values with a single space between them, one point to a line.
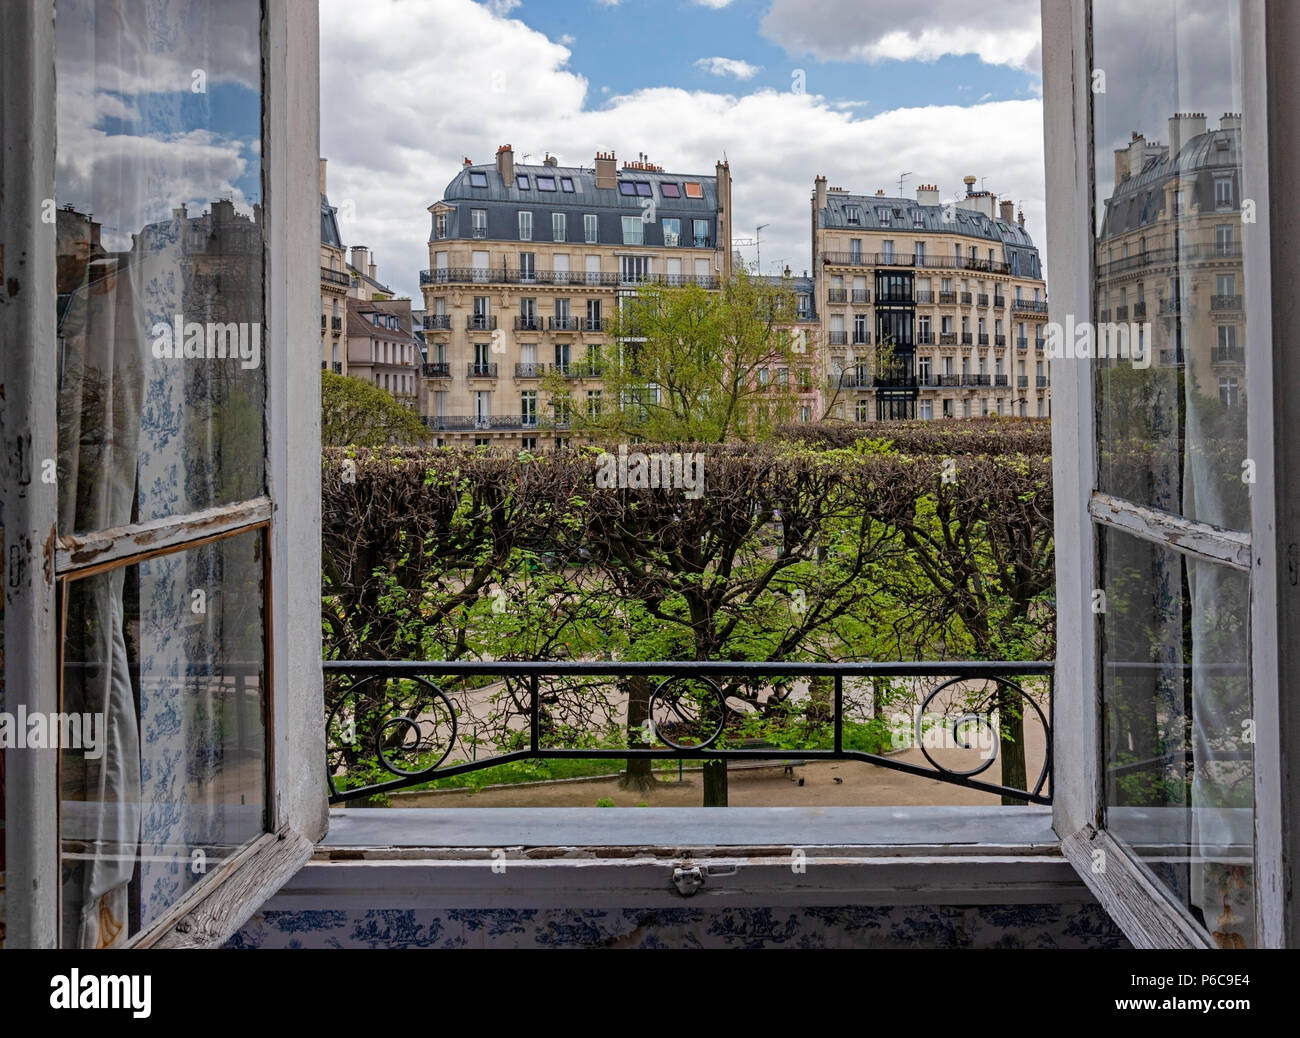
689 878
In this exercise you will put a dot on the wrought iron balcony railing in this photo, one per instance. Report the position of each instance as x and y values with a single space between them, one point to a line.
529 370
437 369
335 277
480 323
482 370
861 295
437 322
514 276
837 295
406 719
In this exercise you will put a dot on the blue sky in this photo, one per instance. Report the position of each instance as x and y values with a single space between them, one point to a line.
935 88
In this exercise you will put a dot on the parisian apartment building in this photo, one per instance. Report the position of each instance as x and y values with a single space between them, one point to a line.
1169 256
527 264
931 307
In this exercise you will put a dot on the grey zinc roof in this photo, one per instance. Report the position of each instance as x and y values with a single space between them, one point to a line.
972 224
1139 200
503 201
329 224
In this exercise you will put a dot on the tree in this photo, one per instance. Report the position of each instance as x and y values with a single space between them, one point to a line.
358 414
690 365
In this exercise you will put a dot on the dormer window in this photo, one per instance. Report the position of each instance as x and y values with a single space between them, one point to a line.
882 214
693 189
566 184
626 187
670 190
478 180
521 180
852 214
545 183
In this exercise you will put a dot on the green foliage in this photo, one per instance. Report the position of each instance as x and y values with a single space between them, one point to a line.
358 414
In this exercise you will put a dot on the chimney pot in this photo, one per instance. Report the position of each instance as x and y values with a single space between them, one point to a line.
322 176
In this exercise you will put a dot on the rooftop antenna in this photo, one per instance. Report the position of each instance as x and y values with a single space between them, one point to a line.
900 182
758 247
982 179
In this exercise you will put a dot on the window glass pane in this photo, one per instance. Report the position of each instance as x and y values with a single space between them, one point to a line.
1167 130
164 664
161 346
1177 728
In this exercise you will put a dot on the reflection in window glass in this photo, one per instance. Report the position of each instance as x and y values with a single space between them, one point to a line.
1167 134
161 346
1179 774
164 665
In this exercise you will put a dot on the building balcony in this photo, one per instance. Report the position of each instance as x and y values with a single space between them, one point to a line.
861 295
895 297
1222 303
948 380
529 370
1022 381
1001 381
588 369
335 277
925 297
437 322
947 298
983 338
1000 301
967 339
436 369
324 322
480 323
861 338
947 338
1030 306
1022 342
469 421
837 338
514 276
1172 307
563 324
529 323
1039 343
976 381
482 370
1103 315
837 295
1121 313
592 324
983 299
336 324
1139 311
564 370
966 298
999 340
1043 381
1226 355
924 339
924 262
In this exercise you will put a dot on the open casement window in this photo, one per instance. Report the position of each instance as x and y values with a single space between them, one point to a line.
156 537
1174 501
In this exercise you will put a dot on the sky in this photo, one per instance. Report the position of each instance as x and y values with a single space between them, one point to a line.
861 91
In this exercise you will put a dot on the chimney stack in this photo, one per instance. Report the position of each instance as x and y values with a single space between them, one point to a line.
606 172
969 181
371 270
1182 128
820 185
360 255
322 176
506 164
927 194
1008 210
1230 121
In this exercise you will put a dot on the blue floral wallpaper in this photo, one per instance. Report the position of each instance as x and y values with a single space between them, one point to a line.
920 926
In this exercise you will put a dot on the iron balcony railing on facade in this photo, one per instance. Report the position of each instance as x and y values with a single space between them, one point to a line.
1121 313
899 259
528 323
1139 310
1032 306
1043 381
1104 315
454 423
999 301
977 381
437 369
562 324
338 367
967 339
983 338
861 295
947 380
924 339
1172 306
837 295
999 381
1022 381
983 299
592 324
1226 355
480 323
1170 256
564 370
514 276
895 382
1022 342
838 338
966 298
335 277
437 322
947 298
894 297
861 338
324 322
1225 302
1039 343
999 340
408 718
947 338
529 370
336 324
482 370
924 297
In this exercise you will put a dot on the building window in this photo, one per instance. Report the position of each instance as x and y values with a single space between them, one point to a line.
593 404
669 190
883 215
634 269
862 410
805 413
545 183
478 223
558 226
626 187
477 179
925 409
693 189
566 184
1229 394
1180 203
590 226
633 230
529 443
947 409
1224 239
852 214
440 225
672 230
700 230
525 226
527 266
522 181
528 408
918 218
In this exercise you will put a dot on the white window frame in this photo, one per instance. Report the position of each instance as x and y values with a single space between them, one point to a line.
216 907
1141 907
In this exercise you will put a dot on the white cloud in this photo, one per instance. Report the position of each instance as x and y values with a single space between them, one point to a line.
392 152
567 40
716 5
729 67
502 8
1005 33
